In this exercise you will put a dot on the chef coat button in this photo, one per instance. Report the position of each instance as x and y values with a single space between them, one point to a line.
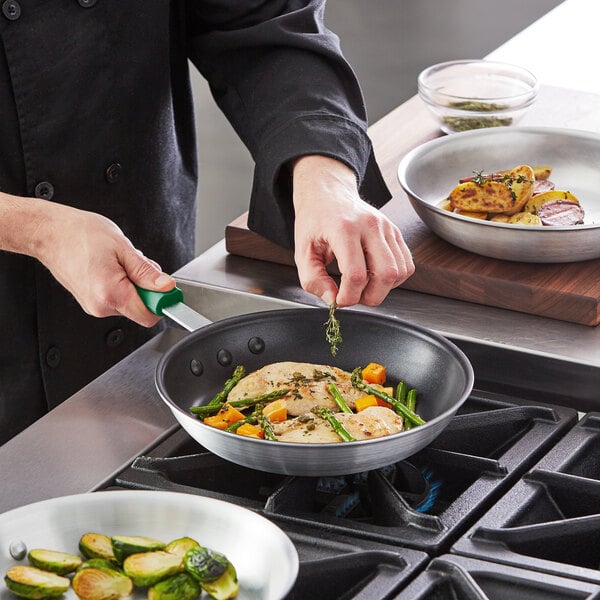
53 357
113 172
11 9
87 3
115 338
44 190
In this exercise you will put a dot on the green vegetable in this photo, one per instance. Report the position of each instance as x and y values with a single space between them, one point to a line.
148 568
400 408
36 584
179 587
330 417
180 546
401 391
225 587
333 333
213 570
411 404
60 563
339 400
204 564
96 545
102 563
238 373
265 424
98 583
124 545
208 409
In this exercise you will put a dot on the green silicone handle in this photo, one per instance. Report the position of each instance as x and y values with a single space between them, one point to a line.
156 301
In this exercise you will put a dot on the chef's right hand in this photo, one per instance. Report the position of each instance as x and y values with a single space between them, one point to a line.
88 254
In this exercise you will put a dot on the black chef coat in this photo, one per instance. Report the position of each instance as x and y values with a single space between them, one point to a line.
96 112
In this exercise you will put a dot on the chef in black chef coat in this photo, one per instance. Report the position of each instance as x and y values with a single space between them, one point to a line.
98 171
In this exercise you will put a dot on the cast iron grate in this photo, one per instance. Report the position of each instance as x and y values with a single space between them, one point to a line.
452 576
488 445
549 521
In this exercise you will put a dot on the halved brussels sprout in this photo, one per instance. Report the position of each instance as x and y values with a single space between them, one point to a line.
96 545
181 545
102 563
178 587
124 545
148 568
216 574
99 583
225 587
60 563
35 584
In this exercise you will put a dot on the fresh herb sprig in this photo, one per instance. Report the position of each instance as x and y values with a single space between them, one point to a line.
333 333
480 178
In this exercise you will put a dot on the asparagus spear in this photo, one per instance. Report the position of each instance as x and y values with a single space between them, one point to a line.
411 403
210 409
238 373
408 414
264 422
330 417
339 400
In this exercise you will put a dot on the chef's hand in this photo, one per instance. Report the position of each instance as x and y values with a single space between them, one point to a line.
332 222
88 254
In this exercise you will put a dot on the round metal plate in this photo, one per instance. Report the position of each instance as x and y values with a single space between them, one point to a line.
264 557
429 172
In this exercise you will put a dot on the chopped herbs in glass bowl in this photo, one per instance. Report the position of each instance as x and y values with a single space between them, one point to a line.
474 94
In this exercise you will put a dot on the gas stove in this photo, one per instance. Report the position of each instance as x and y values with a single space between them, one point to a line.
382 533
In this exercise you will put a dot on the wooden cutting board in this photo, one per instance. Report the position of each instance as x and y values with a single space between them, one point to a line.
567 291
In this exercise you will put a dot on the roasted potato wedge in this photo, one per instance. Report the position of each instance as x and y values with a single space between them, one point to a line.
472 214
500 218
533 205
542 172
524 218
508 196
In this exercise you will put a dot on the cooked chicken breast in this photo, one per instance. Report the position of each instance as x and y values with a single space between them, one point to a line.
373 422
308 384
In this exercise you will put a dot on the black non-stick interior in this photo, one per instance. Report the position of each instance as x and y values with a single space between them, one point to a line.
197 367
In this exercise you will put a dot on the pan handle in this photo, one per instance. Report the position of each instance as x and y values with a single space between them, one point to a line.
156 301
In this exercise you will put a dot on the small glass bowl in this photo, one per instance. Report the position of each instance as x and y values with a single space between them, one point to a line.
473 94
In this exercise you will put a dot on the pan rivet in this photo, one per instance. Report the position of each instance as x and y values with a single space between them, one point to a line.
256 345
196 367
18 550
224 358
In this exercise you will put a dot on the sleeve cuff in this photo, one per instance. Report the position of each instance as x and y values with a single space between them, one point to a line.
271 210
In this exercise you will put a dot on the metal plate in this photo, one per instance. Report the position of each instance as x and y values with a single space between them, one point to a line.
439 371
264 557
429 172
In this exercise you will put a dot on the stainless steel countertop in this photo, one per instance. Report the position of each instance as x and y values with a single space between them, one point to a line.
453 318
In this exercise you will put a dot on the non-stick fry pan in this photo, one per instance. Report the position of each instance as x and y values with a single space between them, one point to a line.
195 369
265 559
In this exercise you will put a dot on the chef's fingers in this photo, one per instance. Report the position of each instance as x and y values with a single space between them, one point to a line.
146 274
311 264
389 263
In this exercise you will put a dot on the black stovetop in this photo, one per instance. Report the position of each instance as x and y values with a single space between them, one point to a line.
380 532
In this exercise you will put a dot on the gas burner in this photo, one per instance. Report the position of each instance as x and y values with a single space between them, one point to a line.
425 502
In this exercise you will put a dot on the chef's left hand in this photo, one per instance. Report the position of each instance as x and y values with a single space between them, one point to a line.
333 222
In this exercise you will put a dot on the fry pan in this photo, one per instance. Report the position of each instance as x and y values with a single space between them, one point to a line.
193 370
265 559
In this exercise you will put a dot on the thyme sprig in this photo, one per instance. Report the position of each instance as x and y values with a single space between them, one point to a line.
480 178
333 333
